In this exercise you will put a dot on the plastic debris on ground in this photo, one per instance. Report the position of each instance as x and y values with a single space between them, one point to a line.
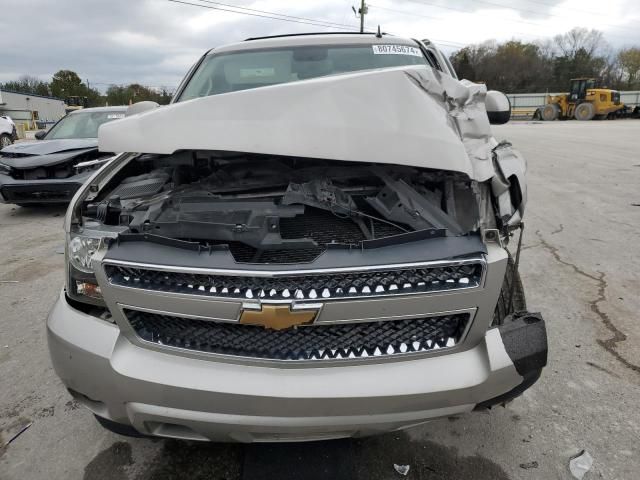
20 432
401 469
580 464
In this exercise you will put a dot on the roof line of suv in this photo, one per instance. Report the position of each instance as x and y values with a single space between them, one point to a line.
312 33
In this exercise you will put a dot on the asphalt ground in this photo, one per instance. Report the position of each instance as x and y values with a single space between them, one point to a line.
580 267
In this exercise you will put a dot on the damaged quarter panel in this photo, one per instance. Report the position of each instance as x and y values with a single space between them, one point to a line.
310 242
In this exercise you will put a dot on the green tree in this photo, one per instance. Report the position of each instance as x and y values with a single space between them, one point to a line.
470 62
580 64
512 67
578 53
28 84
629 61
125 95
67 83
516 66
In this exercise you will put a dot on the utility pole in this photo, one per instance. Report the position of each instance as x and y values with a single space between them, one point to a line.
362 11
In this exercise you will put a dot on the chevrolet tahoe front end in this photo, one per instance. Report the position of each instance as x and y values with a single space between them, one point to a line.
275 275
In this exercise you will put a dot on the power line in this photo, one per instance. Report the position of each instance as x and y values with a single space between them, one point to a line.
283 17
271 17
292 17
378 7
443 42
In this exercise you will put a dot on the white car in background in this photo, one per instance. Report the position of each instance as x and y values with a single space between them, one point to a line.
7 131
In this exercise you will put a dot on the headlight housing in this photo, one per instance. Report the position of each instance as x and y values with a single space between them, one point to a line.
81 283
81 250
5 169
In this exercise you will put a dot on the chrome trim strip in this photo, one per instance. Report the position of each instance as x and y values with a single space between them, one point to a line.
294 301
123 306
286 273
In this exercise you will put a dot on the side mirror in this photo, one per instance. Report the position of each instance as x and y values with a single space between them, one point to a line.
498 107
141 107
40 134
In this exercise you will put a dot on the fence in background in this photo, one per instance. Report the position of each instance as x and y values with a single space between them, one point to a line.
524 104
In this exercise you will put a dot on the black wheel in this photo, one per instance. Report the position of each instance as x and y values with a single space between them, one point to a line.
119 428
5 140
550 112
584 111
511 281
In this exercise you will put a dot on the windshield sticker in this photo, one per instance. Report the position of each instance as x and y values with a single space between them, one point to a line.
113 116
257 72
396 50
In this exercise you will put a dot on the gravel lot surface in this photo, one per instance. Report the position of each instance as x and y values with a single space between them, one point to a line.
580 268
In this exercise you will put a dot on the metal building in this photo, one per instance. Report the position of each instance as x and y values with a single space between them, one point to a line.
31 111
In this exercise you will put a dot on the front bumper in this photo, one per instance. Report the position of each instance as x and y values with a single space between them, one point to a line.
39 191
192 398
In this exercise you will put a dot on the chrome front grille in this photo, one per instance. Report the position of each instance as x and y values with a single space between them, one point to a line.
311 343
375 282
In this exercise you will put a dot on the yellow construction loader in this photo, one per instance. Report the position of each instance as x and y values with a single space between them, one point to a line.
583 102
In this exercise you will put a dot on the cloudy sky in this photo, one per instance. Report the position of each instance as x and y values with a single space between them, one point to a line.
154 42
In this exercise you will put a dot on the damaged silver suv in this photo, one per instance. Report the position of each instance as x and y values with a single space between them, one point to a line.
310 242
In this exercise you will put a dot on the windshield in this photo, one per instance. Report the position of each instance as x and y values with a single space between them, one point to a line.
81 124
231 72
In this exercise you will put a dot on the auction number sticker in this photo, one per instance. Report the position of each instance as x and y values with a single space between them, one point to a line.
396 50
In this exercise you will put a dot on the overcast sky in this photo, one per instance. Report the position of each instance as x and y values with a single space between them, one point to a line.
154 42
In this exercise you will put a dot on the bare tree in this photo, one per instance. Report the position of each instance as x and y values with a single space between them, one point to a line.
579 39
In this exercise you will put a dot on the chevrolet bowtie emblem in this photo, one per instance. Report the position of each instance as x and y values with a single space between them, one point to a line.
277 317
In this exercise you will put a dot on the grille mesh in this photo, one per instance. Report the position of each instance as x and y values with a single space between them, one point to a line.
317 342
327 286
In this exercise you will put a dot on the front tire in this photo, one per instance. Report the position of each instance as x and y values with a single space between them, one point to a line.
550 112
584 111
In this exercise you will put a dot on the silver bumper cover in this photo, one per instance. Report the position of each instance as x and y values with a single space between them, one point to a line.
182 397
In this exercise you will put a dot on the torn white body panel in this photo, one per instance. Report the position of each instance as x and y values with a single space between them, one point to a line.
509 179
407 116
